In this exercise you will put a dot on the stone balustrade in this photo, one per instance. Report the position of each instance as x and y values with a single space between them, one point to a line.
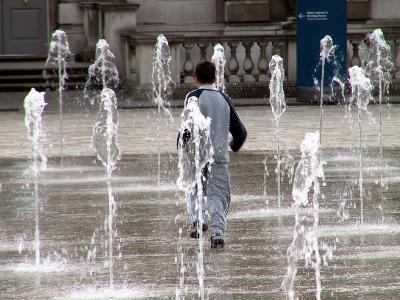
247 55
246 60
357 50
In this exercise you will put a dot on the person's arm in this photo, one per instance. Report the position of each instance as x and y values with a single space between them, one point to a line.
236 128
177 140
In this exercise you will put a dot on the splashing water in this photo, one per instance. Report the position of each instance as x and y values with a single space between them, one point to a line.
57 57
278 106
326 46
195 158
34 105
180 259
361 90
105 142
266 174
378 68
162 87
289 163
103 72
329 56
194 129
219 60
305 193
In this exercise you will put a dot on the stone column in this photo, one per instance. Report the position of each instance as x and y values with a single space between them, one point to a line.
91 29
355 59
118 18
397 58
292 61
144 65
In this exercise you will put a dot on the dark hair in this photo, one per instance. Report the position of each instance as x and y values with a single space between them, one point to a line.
205 72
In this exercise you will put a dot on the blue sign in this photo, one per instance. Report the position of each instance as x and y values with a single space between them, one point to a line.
316 19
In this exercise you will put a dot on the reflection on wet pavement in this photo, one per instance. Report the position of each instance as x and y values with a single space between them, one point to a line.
364 263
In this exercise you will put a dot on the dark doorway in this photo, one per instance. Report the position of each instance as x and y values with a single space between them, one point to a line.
23 27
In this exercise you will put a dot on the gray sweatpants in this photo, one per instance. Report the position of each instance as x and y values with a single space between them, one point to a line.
217 201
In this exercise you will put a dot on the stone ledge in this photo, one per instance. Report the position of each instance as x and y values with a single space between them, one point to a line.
245 11
358 9
235 91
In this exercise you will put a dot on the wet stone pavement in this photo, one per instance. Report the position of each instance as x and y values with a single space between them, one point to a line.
149 252
137 127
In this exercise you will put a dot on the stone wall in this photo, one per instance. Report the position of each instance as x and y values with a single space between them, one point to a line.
87 21
188 16
176 12
385 9
70 19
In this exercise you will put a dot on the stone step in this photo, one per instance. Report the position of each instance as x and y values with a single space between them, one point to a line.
12 66
21 58
42 86
22 75
39 77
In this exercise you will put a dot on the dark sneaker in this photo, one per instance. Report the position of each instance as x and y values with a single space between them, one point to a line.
193 230
217 241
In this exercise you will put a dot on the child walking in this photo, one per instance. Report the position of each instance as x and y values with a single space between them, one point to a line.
224 119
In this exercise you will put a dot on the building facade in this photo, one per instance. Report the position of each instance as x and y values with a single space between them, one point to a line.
251 32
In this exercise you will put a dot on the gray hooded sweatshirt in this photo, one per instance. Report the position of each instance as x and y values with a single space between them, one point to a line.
224 119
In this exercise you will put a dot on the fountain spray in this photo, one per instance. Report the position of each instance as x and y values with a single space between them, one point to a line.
162 83
328 55
219 60
105 142
305 193
57 57
278 106
103 73
361 90
34 105
195 159
326 46
378 68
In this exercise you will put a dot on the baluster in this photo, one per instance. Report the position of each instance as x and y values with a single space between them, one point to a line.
203 51
355 60
248 64
188 66
363 60
397 59
286 58
263 62
269 56
277 50
233 65
349 53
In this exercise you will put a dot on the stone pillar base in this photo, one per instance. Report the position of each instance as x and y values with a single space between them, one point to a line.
248 78
263 78
188 79
234 79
